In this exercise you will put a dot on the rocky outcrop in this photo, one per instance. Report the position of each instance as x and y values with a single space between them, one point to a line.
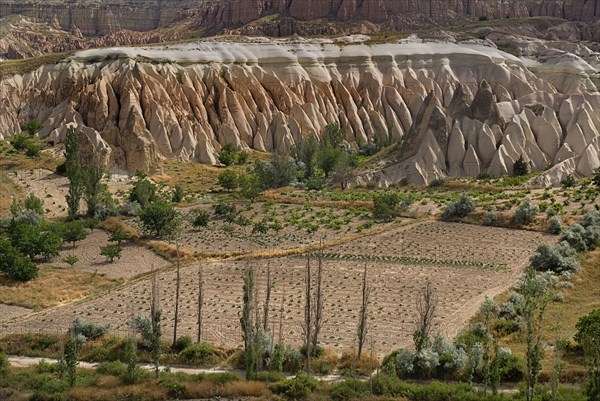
109 16
138 106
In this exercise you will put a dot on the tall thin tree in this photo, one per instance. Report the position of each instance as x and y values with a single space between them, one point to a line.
318 304
308 314
177 291
155 321
267 300
363 315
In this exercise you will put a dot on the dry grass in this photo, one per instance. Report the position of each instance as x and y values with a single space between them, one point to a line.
207 389
8 189
139 392
53 287
113 224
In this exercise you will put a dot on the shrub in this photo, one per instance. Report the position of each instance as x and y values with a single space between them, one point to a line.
228 155
4 364
115 368
525 212
554 225
297 388
569 181
197 353
143 191
460 208
490 218
559 258
349 389
90 331
270 377
437 182
200 218
226 210
520 168
315 183
385 206
178 194
182 343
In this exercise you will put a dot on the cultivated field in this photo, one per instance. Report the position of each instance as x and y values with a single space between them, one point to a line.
458 259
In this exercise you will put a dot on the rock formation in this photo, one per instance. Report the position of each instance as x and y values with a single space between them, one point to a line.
462 109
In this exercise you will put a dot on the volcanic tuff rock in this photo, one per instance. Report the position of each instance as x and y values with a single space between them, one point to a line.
462 109
102 17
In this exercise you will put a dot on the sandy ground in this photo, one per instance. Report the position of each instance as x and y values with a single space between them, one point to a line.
52 188
134 260
11 312
392 306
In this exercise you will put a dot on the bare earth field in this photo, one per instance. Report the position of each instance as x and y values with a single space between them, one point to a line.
52 188
135 260
8 312
297 226
464 269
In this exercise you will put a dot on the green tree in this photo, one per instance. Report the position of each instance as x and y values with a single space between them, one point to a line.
535 290
520 168
199 218
92 188
111 252
143 191
35 240
333 135
119 236
588 337
305 151
328 158
71 354
228 155
160 219
228 180
74 173
249 186
14 265
73 232
385 206
279 172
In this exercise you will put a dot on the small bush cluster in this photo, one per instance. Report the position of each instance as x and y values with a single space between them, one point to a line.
461 208
88 330
525 212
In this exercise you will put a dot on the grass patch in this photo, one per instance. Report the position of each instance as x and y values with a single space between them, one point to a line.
14 67
53 287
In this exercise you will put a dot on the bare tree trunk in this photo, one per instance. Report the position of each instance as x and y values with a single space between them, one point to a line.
177 290
267 300
155 322
318 298
308 315
362 320
426 306
200 301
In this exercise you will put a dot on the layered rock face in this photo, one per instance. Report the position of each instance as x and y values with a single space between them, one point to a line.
107 16
461 109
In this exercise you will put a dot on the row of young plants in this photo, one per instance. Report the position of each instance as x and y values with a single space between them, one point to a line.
409 260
